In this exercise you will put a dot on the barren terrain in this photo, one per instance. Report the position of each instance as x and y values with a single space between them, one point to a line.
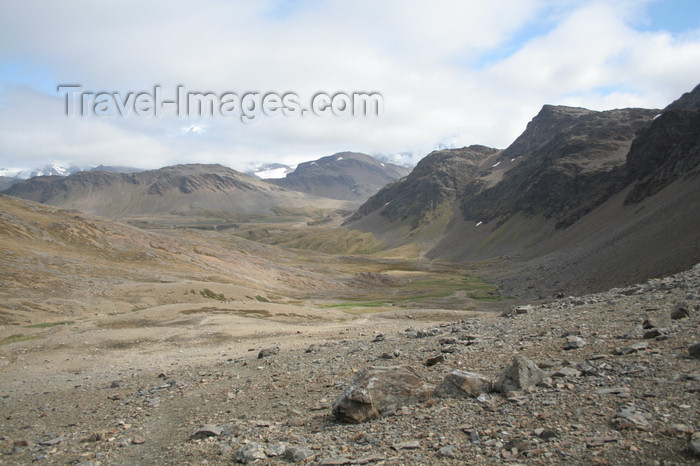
123 346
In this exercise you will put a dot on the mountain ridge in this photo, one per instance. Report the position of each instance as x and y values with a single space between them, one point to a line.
350 176
178 188
577 193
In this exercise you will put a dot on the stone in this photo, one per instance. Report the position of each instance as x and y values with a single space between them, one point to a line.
138 440
265 352
694 445
628 418
681 310
248 453
462 384
694 350
520 375
448 451
651 322
276 449
207 431
587 368
378 391
620 391
641 346
574 342
567 372
412 445
544 433
298 454
431 361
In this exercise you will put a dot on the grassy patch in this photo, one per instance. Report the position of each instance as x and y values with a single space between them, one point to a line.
345 306
209 294
262 299
17 338
51 324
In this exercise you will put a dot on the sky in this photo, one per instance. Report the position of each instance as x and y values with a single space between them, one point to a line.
448 73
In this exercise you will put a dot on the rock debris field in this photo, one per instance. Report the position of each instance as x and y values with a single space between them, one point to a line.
607 378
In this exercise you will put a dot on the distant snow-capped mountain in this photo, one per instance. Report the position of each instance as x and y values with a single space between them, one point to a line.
57 170
271 171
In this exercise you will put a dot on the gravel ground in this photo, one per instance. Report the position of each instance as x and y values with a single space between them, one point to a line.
621 388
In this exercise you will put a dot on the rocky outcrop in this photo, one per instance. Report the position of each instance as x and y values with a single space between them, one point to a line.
436 182
567 162
668 150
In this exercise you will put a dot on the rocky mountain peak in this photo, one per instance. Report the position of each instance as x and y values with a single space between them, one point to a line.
345 175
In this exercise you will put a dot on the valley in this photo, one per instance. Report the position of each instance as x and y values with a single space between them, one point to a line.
196 314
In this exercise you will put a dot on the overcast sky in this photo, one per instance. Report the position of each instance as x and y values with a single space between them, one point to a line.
451 73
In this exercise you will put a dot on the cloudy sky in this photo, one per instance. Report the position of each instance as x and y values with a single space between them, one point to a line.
450 73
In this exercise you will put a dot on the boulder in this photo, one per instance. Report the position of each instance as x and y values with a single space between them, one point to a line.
520 375
378 391
461 384
694 350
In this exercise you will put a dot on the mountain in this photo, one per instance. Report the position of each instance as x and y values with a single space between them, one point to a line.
425 198
581 201
271 171
347 176
171 190
7 181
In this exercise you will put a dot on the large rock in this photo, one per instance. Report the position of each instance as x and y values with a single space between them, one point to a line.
461 384
520 375
376 391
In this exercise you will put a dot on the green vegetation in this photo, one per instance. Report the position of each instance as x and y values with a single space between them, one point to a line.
51 324
262 299
209 294
410 288
17 338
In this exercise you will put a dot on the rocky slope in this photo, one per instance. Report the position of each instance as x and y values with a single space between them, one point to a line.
608 378
346 175
426 196
176 189
578 193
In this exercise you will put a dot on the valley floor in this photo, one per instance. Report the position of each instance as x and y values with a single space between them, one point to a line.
138 388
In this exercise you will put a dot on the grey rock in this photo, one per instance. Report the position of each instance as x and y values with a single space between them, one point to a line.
249 453
544 433
694 350
265 352
567 372
377 391
448 451
461 384
276 449
629 418
520 375
641 346
297 454
621 391
681 310
694 445
587 368
431 361
207 431
412 445
574 342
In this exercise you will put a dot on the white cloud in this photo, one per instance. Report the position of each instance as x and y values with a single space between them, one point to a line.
450 72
